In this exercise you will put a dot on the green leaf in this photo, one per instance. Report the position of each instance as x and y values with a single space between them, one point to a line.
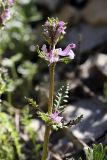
27 69
73 122
44 117
2 84
31 102
98 152
65 60
16 57
61 98
2 87
41 55
89 154
6 62
8 138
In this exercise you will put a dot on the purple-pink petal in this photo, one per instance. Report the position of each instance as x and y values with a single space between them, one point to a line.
71 54
10 2
51 56
5 14
55 117
61 23
72 45
67 51
61 30
44 48
54 55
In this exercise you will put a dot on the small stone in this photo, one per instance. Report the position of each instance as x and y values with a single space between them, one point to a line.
51 5
68 14
95 68
79 3
86 67
42 95
94 122
63 147
95 12
101 63
38 127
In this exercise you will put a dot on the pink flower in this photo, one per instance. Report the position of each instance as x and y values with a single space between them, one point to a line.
46 23
10 2
54 117
61 27
68 52
61 23
5 15
54 55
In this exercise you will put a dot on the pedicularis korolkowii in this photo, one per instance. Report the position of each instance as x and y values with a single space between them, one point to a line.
53 31
5 11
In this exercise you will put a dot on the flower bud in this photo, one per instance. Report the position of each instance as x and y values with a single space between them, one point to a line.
53 30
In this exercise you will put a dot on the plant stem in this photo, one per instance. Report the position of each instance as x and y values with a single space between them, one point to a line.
14 73
50 106
51 87
9 97
46 141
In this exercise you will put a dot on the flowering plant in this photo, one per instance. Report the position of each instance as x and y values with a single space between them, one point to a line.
53 31
5 14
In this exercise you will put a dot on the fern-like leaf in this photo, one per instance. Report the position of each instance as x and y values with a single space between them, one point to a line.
31 102
43 116
74 121
40 54
61 98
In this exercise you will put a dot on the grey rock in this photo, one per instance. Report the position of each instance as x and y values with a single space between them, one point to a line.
95 12
42 95
62 146
68 14
86 67
91 36
95 66
94 123
39 128
100 62
50 4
